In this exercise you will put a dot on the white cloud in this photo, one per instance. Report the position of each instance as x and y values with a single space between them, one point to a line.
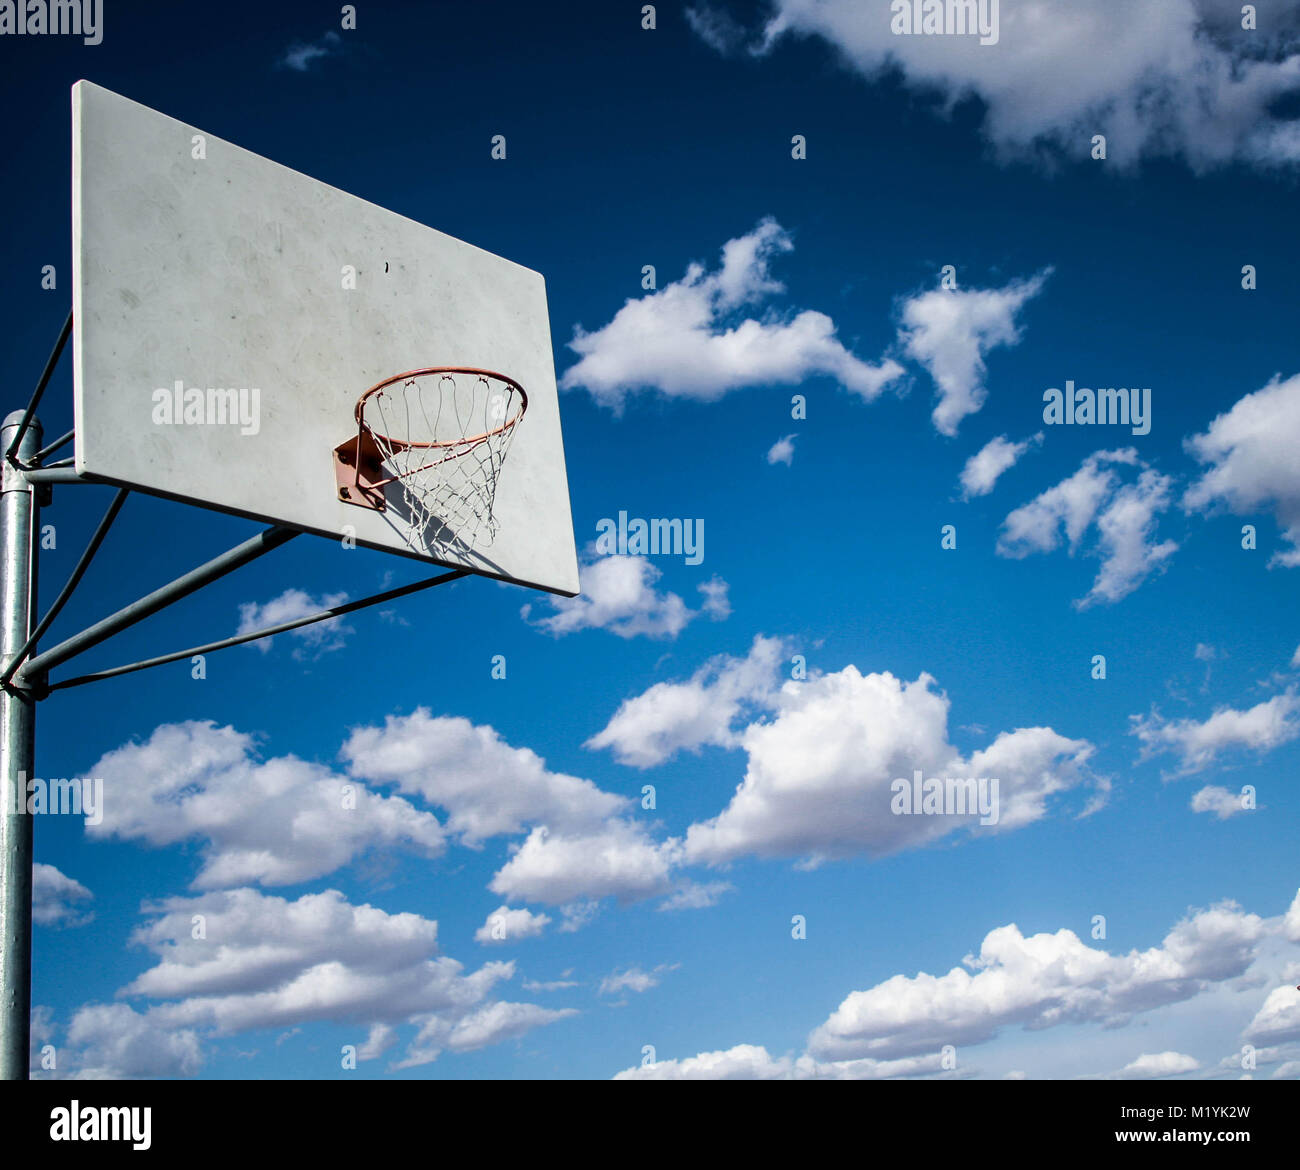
553 985
716 602
283 963
899 1027
690 339
1198 744
691 895
486 786
274 822
55 898
380 1039
1295 659
1126 538
1219 801
748 1062
744 1062
577 914
1251 452
618 860
1262 1057
501 1021
1291 922
1124 516
505 925
949 331
633 979
684 716
818 784
1070 506
300 56
819 776
1278 1020
782 451
619 595
1038 981
1155 1065
492 1024
317 638
1179 78
114 1042
984 468
716 28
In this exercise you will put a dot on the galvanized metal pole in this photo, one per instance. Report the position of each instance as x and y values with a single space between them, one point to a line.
19 515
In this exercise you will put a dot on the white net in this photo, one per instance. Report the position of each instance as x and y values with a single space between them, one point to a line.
443 436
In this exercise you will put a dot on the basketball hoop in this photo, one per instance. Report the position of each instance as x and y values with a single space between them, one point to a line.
443 434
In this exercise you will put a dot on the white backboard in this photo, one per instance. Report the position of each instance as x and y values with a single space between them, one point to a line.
230 271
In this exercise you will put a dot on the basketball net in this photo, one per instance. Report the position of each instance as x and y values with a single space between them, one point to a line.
443 436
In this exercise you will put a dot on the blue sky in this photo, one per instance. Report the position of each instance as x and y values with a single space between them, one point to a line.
775 276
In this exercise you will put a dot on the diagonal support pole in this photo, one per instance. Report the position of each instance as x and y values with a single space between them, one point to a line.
269 631
73 581
34 672
12 449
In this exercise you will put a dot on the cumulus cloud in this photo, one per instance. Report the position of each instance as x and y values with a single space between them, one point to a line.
717 603
1217 800
501 1021
274 822
1251 458
115 1042
1126 542
1157 1065
949 331
820 773
1176 79
692 339
1278 1020
58 900
619 595
618 859
744 1062
1070 506
380 1039
899 1027
486 786
1123 516
284 963
782 451
748 1062
505 925
671 717
1038 981
1197 744
1291 922
316 639
985 467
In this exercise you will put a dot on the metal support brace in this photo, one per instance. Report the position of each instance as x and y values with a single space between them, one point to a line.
34 672
73 581
17 436
269 631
